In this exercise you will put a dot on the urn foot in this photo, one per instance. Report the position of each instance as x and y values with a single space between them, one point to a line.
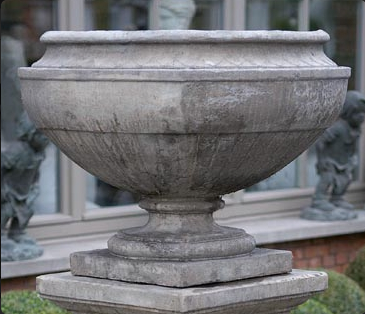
181 230
181 246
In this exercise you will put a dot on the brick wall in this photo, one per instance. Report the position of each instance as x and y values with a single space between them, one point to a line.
22 283
331 253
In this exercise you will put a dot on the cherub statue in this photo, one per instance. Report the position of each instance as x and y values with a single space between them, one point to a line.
336 160
20 162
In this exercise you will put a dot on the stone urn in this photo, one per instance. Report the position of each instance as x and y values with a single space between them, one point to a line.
182 118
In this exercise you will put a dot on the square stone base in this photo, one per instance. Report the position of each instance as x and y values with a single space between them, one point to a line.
102 264
267 295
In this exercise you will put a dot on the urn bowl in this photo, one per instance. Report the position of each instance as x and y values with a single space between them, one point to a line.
183 113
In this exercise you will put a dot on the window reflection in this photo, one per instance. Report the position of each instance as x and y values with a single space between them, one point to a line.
272 14
126 15
339 19
208 15
284 179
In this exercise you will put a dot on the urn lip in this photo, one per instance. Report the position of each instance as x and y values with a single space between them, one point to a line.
183 36
185 75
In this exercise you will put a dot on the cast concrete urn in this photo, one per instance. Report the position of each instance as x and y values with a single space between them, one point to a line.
181 117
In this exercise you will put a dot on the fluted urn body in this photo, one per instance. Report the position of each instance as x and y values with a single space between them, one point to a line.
183 117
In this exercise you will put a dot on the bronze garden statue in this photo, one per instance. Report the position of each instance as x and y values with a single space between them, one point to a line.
336 161
20 162
22 152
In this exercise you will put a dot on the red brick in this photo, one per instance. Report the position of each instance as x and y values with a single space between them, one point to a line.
314 251
319 241
301 264
339 268
310 252
352 255
342 258
298 253
339 246
315 262
22 283
329 261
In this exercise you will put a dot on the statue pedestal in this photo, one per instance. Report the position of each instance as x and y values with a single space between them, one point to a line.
312 213
264 295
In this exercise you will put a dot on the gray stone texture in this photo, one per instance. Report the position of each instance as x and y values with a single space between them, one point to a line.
103 264
272 294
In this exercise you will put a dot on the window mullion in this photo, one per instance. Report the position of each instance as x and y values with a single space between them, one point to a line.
71 15
153 18
234 14
360 79
303 15
302 176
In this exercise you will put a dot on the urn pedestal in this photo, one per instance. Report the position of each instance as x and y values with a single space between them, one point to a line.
182 118
265 295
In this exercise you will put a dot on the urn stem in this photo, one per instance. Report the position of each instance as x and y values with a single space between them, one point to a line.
181 229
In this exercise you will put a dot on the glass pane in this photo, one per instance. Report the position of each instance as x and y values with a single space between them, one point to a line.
117 14
339 19
28 172
101 194
272 14
284 179
208 15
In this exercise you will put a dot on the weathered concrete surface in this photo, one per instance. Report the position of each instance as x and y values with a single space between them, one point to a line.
103 264
273 294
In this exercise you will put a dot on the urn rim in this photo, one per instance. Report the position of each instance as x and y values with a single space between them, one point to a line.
183 36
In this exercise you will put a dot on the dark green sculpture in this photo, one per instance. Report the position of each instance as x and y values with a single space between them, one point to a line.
336 161
22 152
20 162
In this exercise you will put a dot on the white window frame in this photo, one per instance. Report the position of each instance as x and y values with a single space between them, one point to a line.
74 220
